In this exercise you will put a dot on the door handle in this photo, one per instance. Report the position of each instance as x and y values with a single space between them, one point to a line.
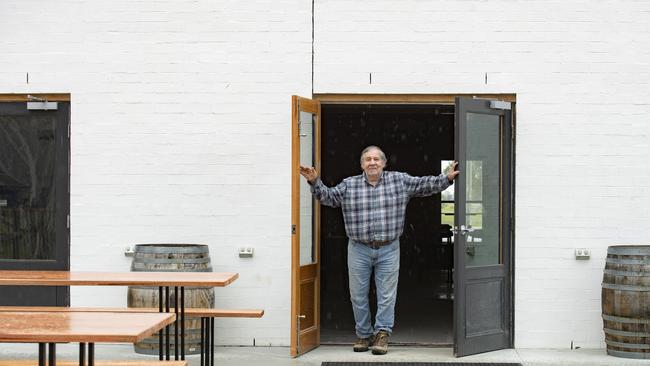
463 230
470 250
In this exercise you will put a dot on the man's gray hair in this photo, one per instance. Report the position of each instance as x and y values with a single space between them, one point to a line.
372 147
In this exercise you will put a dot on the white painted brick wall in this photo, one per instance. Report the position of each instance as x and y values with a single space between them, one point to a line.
581 72
180 133
180 128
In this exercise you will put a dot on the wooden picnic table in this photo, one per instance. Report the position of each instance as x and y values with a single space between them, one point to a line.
79 327
160 279
163 280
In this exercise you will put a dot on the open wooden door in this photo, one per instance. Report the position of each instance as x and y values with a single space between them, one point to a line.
483 222
305 245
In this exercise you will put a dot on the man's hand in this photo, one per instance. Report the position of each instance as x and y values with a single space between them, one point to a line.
452 175
309 174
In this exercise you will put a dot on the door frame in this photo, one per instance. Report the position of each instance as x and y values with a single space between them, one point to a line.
445 99
62 235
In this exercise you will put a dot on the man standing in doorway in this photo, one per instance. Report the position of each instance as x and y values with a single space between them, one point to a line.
374 205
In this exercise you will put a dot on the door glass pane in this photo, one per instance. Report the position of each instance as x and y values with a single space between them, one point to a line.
447 206
482 172
27 199
306 200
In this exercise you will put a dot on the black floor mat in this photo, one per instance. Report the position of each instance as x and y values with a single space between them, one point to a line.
417 364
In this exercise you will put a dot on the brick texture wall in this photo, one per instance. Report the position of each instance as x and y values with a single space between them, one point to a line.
180 133
181 111
581 72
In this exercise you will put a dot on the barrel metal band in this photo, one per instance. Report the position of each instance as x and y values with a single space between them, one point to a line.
626 261
627 273
180 249
626 334
621 319
629 250
625 354
175 260
627 345
612 286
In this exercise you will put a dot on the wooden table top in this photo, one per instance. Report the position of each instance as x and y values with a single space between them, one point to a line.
66 278
54 327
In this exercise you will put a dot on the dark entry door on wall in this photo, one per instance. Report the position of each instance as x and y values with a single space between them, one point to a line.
483 240
34 196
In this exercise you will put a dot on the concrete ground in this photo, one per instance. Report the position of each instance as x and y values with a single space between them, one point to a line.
279 356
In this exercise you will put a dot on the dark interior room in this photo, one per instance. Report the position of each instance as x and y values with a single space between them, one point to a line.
418 140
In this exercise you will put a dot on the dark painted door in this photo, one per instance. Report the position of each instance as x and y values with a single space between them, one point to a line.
34 198
483 211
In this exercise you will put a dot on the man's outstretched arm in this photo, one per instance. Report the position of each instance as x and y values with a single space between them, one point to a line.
431 184
328 196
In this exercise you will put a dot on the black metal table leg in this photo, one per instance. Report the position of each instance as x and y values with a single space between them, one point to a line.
52 355
212 340
207 341
160 332
82 354
167 327
202 340
42 354
91 354
182 322
176 351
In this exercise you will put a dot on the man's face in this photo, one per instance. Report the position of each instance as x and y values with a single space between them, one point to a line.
372 163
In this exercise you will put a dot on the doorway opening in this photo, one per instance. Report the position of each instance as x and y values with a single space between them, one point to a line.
418 139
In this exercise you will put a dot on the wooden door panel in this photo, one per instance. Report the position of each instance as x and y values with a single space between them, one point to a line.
305 267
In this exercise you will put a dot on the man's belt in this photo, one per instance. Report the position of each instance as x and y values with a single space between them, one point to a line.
376 244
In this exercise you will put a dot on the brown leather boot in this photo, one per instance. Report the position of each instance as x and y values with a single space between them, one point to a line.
380 346
363 344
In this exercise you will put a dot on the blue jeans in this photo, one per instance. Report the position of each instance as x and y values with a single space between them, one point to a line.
385 261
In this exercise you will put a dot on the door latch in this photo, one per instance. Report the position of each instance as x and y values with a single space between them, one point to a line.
463 230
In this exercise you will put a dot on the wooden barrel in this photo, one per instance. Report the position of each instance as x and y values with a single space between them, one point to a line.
172 258
626 301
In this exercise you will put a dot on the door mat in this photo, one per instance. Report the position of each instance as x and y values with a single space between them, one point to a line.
418 364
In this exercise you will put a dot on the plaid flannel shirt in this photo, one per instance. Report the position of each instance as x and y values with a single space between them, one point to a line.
377 213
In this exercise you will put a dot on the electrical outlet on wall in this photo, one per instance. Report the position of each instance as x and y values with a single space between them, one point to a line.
246 252
582 253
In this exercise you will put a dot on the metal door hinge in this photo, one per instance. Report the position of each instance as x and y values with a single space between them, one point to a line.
68 221
293 229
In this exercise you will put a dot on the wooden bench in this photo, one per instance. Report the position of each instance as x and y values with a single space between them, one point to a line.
200 312
97 363
207 316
